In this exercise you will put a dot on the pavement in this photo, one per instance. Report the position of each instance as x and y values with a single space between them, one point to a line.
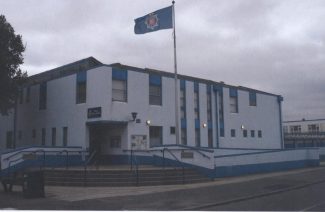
212 195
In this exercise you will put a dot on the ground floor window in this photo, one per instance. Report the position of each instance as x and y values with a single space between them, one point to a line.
9 140
53 136
155 136
183 136
65 136
210 140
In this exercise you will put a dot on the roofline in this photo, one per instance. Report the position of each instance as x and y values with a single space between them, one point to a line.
185 77
52 74
304 120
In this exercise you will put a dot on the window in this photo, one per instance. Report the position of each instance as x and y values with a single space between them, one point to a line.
196 101
9 140
220 107
155 134
245 133
183 136
119 91
259 133
20 134
313 128
295 129
210 140
33 133
53 136
252 98
182 103
42 96
21 95
252 133
65 136
43 136
172 130
197 138
81 90
119 85
155 94
233 100
209 111
115 142
233 132
28 95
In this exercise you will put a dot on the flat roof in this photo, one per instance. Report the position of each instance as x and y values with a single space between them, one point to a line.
91 63
305 120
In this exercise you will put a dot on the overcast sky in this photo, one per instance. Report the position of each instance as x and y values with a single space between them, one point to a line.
274 46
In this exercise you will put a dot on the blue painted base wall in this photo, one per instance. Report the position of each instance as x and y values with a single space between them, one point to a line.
223 171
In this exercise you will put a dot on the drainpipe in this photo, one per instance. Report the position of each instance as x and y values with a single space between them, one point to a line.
280 99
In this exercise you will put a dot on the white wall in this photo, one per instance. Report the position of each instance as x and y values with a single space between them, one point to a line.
62 111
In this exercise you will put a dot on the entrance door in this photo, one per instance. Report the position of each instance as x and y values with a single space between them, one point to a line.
96 137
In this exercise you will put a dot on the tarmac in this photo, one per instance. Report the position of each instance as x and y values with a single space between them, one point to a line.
168 197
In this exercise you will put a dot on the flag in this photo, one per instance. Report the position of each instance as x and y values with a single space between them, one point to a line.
160 19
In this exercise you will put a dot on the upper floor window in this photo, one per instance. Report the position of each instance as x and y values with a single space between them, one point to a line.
313 128
196 101
21 95
245 133
233 100
252 98
81 90
209 111
119 85
27 94
155 91
182 95
42 96
295 129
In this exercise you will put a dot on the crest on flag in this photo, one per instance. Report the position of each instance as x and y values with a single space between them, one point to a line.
152 21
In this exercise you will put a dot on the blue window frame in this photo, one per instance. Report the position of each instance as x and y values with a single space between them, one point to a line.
81 87
233 100
252 98
155 90
42 96
119 85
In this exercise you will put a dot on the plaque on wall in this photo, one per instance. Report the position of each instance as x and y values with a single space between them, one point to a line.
95 112
186 154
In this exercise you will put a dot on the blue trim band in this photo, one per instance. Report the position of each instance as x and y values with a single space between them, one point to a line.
82 76
155 79
233 92
119 74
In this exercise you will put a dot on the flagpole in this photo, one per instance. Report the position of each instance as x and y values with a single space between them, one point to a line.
176 87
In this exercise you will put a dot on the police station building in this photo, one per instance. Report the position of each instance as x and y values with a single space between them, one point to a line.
111 109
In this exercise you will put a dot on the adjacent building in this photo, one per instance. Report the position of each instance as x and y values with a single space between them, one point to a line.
304 133
110 109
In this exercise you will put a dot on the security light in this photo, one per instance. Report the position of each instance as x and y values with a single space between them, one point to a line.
148 122
134 115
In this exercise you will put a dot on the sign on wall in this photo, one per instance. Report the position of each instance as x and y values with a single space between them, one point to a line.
139 142
95 112
186 154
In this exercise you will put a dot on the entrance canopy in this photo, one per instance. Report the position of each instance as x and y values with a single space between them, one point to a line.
106 123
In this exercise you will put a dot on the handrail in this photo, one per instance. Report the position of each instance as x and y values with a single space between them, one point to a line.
172 154
28 151
133 158
90 157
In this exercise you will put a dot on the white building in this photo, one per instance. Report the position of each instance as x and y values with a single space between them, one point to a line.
71 105
304 133
111 109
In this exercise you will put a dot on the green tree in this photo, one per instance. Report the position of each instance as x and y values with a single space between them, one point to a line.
11 57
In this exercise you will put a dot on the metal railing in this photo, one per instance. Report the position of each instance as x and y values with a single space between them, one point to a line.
133 159
178 161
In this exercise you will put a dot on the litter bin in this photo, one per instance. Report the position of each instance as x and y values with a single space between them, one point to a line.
33 184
